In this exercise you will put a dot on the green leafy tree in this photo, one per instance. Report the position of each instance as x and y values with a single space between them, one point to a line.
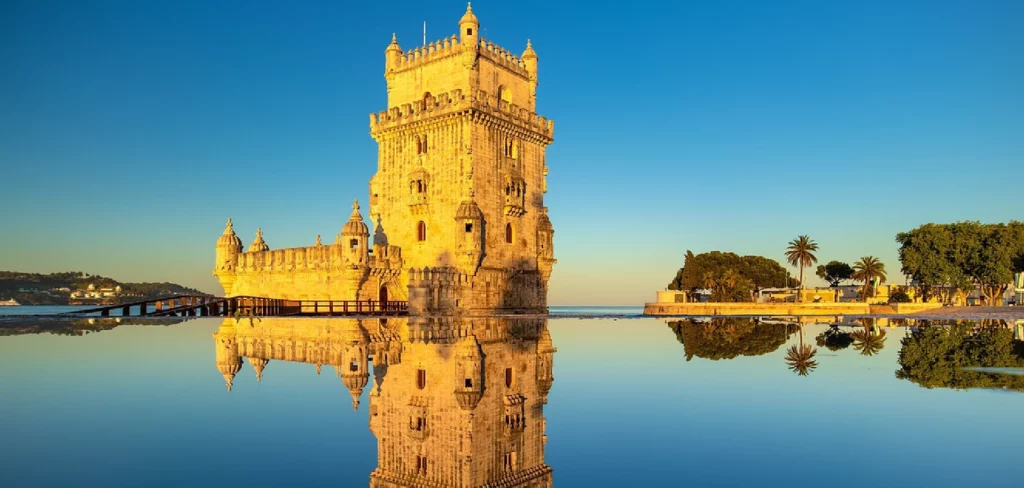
800 253
943 357
730 277
867 270
959 257
728 338
834 272
834 339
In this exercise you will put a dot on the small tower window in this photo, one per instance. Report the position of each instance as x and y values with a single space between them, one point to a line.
421 231
469 227
353 244
353 366
508 233
421 379
419 146
509 377
469 31
469 382
424 144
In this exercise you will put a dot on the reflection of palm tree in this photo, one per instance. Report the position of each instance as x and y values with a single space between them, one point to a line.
868 343
801 358
866 270
801 253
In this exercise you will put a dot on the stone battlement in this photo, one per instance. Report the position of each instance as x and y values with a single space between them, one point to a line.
312 258
456 102
450 46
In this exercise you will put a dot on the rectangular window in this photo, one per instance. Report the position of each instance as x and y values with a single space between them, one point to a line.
469 382
469 227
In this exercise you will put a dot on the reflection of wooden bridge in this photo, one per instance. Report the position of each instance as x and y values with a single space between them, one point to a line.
209 306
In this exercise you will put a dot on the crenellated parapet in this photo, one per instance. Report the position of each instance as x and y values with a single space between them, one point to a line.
421 55
481 106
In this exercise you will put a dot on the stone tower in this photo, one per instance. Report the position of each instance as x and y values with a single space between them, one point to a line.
461 168
457 200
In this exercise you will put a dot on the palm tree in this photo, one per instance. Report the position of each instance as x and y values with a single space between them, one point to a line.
801 253
866 342
801 358
866 270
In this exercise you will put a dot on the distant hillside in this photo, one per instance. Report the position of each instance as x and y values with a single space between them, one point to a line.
57 288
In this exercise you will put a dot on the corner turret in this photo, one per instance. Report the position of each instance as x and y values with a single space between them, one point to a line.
257 366
469 222
469 373
355 237
469 27
229 363
229 246
529 58
392 56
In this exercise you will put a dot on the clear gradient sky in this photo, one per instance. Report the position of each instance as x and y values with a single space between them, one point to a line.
129 131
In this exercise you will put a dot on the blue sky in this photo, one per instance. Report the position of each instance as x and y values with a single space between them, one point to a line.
130 130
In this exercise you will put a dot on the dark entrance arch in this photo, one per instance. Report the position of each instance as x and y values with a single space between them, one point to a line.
383 295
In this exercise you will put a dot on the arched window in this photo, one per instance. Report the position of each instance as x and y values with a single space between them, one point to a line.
508 233
424 144
421 379
419 146
421 231
509 378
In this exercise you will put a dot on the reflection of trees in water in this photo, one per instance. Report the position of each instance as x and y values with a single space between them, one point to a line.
727 338
868 342
834 339
936 357
800 357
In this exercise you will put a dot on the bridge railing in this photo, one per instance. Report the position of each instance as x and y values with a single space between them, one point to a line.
194 305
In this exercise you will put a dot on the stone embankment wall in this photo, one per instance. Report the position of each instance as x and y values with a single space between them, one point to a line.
764 309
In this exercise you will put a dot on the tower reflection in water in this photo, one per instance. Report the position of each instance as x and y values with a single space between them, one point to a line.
452 402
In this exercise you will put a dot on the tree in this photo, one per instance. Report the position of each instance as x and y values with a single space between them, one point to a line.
730 277
866 341
947 357
801 358
801 253
727 338
959 257
834 272
867 270
834 339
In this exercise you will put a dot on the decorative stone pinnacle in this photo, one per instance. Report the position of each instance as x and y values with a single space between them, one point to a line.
355 211
230 226
394 38
318 240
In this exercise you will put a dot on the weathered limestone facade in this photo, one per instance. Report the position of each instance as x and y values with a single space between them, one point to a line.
457 201
452 402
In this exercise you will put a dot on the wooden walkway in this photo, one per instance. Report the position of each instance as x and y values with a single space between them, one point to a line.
209 306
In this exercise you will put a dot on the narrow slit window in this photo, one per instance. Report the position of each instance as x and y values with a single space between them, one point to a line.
421 379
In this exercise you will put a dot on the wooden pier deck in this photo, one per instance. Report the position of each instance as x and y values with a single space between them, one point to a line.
210 306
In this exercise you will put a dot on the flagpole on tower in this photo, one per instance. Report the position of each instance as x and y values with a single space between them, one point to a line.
424 33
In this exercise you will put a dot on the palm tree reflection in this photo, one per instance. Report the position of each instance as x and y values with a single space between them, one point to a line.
869 340
801 357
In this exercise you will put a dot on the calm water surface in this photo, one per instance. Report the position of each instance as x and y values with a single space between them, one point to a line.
573 402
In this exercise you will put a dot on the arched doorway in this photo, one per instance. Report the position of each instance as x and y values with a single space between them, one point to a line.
383 295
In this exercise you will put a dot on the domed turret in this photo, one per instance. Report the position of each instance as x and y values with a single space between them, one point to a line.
258 244
257 365
469 221
469 373
229 363
469 27
355 237
545 356
392 55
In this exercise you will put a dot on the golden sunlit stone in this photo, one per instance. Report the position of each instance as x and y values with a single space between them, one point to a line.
457 201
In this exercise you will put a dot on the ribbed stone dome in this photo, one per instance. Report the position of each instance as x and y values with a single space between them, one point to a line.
469 210
229 239
355 225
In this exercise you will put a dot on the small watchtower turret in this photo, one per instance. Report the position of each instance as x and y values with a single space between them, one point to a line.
469 222
469 373
469 27
229 246
530 64
355 237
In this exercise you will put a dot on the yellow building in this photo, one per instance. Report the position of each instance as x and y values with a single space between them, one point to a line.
453 403
457 201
